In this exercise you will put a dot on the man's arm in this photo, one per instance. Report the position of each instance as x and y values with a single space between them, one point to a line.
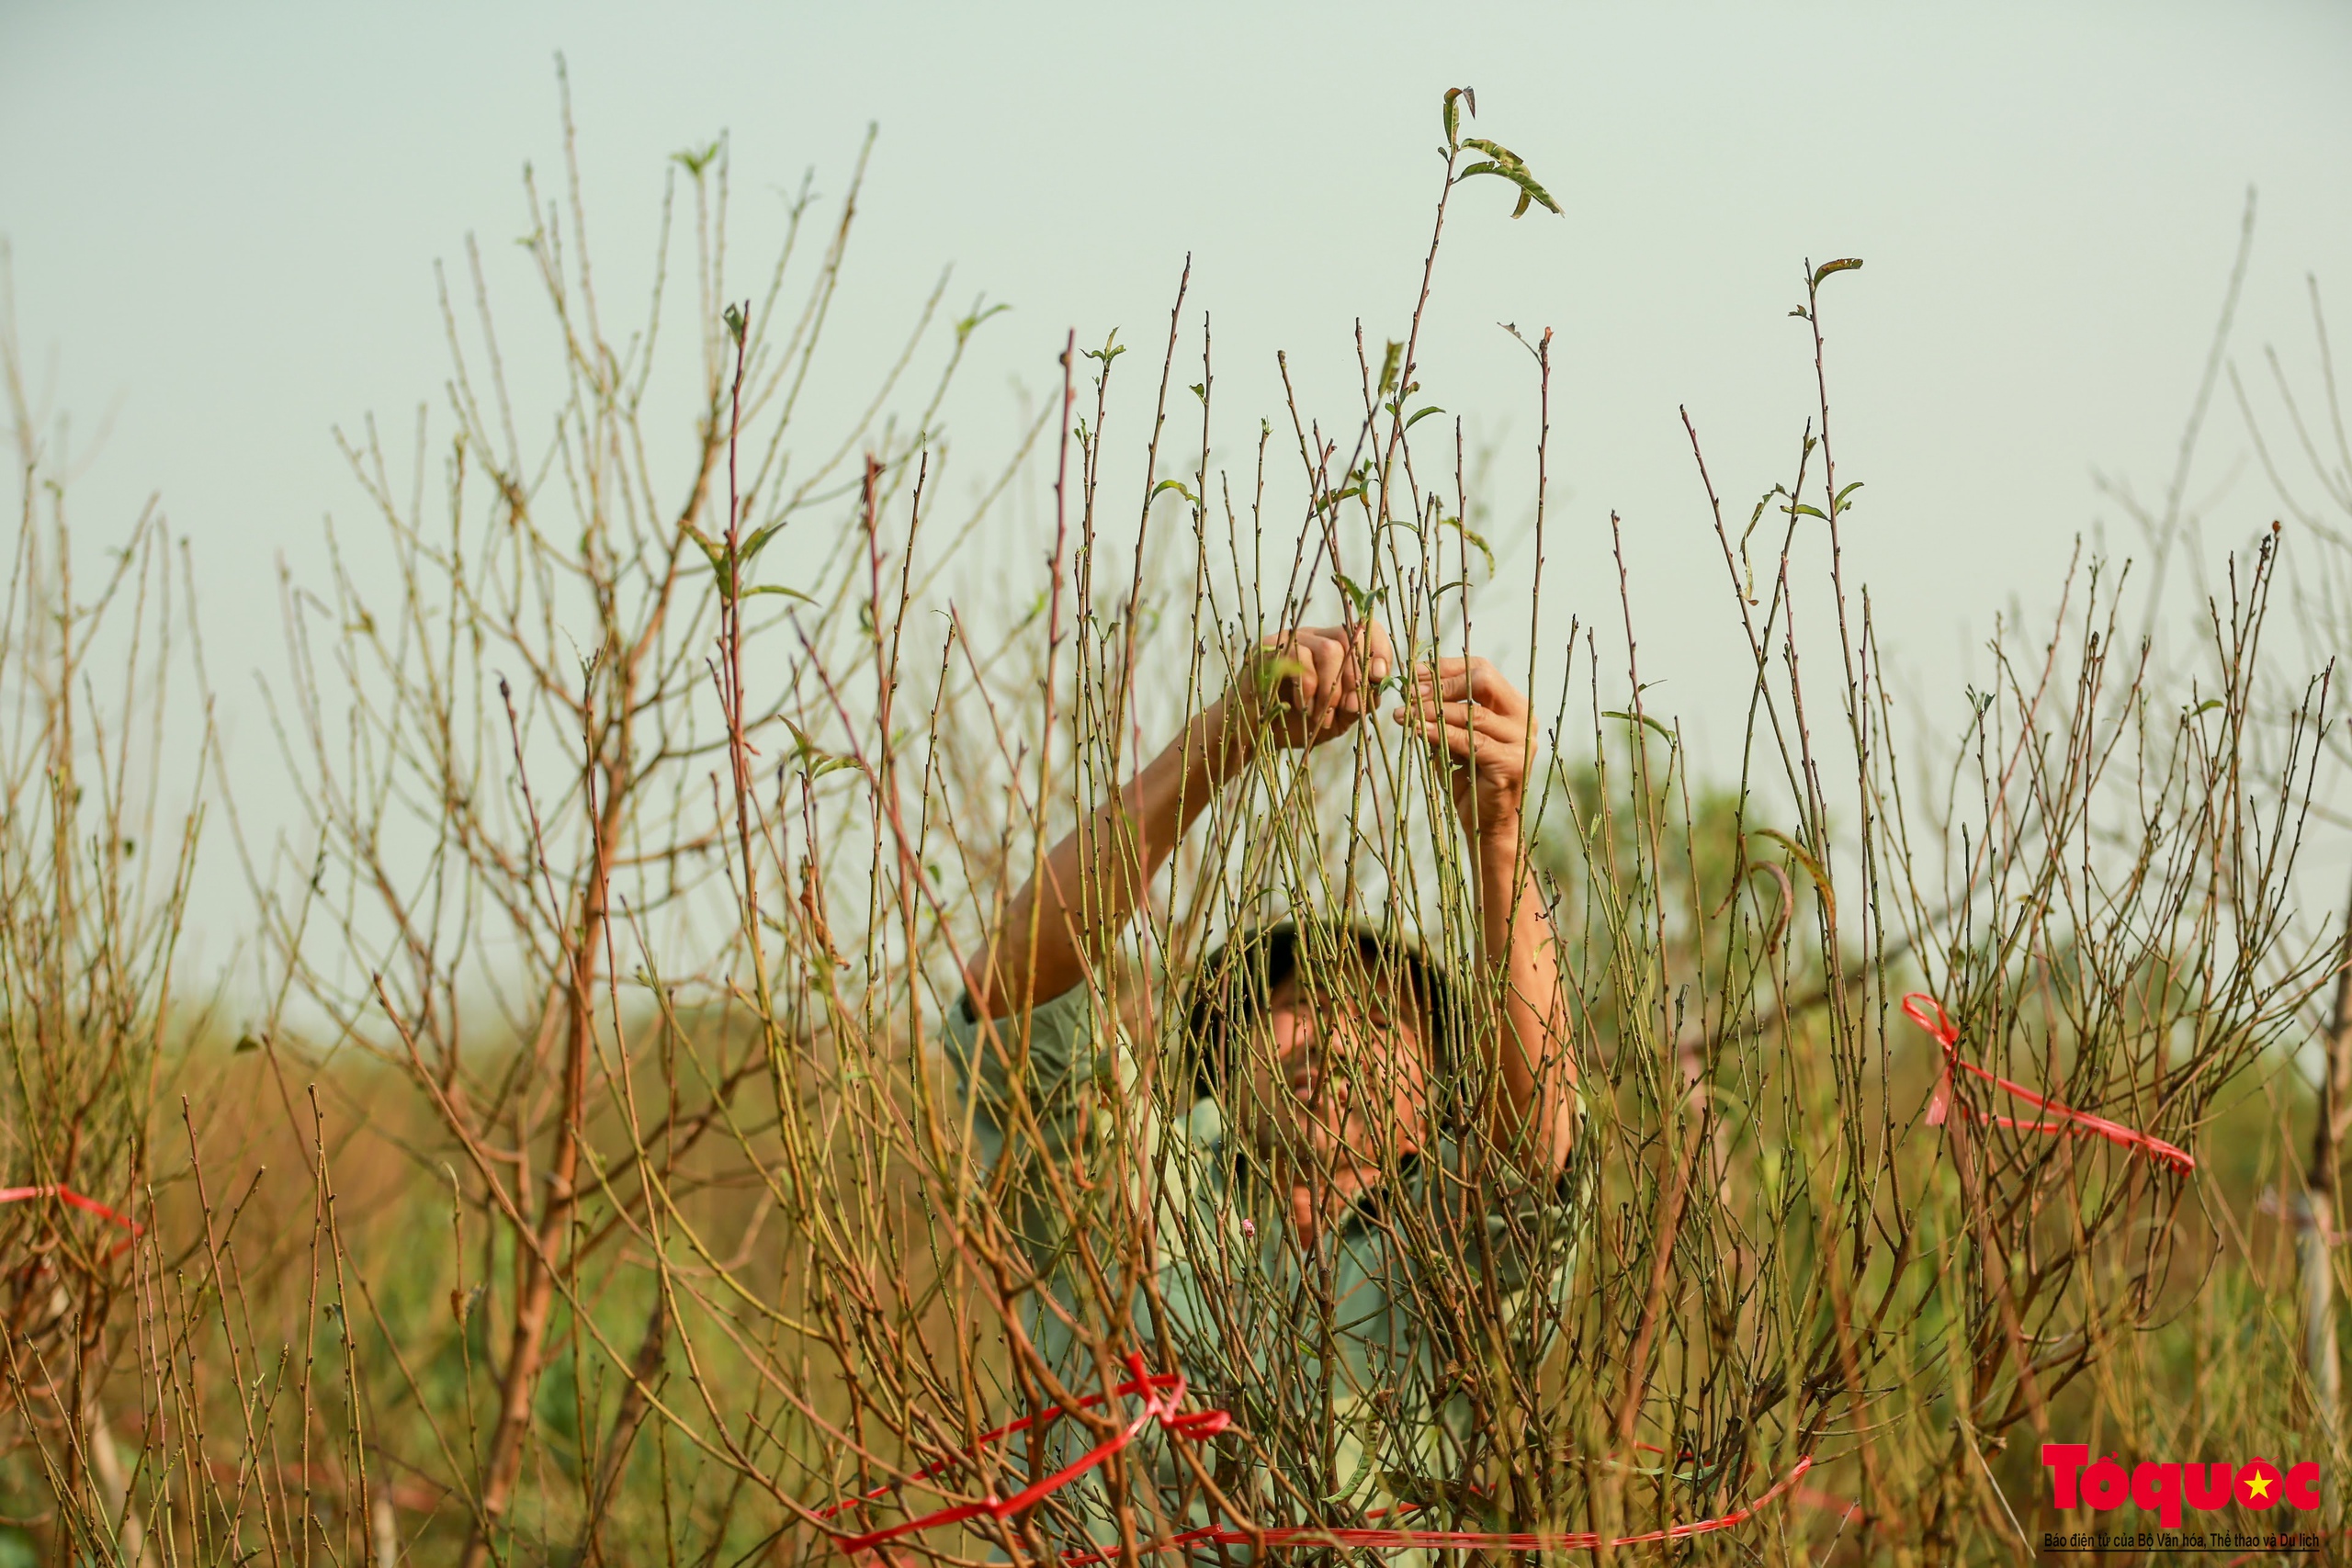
1090 882
1296 690
1479 725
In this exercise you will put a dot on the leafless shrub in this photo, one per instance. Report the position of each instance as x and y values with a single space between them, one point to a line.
657 815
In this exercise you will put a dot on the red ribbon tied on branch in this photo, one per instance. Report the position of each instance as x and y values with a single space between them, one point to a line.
1162 1393
1385 1539
2069 1122
67 1196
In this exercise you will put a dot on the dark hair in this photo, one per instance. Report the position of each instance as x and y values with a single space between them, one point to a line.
1235 985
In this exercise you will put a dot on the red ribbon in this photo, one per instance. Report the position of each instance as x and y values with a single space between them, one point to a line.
2070 1123
1382 1540
67 1196
1162 1393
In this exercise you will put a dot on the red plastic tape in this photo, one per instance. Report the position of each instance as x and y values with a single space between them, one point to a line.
2069 1122
1162 1393
72 1198
1384 1538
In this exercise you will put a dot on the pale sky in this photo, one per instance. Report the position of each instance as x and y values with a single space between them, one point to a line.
224 217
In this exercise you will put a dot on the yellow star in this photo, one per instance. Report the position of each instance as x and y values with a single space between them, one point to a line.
2258 1489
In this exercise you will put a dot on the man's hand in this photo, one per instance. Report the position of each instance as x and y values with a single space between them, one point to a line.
1297 690
1477 727
1305 687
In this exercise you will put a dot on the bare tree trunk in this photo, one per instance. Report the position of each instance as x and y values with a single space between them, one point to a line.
2314 1215
2315 1228
114 1483
626 1421
536 1297
383 1531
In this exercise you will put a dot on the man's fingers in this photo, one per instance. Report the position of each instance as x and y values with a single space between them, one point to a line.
1490 723
1494 738
1325 675
1369 639
1472 678
1368 655
1452 739
1464 715
1331 685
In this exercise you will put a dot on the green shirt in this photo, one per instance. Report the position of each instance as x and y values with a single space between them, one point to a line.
1342 1364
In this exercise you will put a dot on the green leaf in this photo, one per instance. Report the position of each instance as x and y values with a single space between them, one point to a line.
1361 600
695 161
1839 503
1508 167
1349 493
778 588
1453 115
1199 390
1802 510
1472 536
1846 263
1812 869
1176 485
1420 414
1112 348
1396 357
2207 705
738 319
814 760
1641 718
710 548
1274 671
759 541
964 328
1788 911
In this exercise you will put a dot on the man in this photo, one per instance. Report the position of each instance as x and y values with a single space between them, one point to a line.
1376 1188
